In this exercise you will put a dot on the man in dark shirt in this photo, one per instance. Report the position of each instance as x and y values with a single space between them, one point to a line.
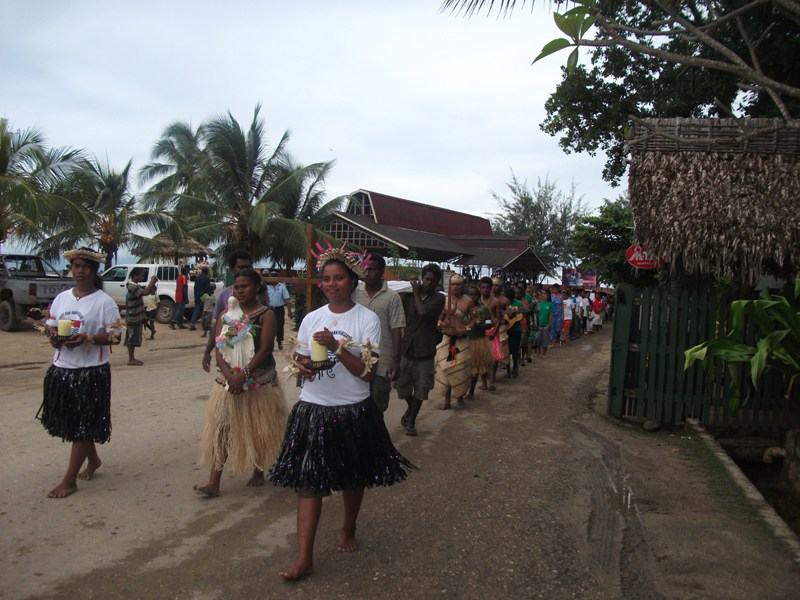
201 284
422 308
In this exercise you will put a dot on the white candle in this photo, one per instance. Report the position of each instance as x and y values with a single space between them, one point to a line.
64 327
319 353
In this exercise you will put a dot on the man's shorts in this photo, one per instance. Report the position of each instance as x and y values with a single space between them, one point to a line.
133 334
416 378
379 389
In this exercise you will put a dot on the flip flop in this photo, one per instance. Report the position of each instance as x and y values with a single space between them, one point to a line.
411 431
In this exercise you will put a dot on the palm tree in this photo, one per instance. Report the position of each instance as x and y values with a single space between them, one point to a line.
228 188
29 172
177 158
110 216
300 195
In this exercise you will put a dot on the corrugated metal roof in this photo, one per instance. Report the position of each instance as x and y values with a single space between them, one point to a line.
428 246
406 214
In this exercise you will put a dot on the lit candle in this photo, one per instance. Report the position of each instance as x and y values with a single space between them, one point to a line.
64 327
319 353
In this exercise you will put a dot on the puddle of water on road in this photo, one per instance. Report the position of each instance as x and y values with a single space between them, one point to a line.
620 495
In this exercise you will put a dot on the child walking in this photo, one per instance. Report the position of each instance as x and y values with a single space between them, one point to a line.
208 300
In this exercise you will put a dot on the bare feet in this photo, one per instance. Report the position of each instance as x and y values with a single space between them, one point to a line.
445 406
88 472
297 571
62 490
135 363
460 401
208 490
347 541
257 480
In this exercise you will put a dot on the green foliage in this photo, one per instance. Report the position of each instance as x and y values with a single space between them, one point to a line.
707 58
601 242
546 214
650 59
777 324
29 175
107 214
226 186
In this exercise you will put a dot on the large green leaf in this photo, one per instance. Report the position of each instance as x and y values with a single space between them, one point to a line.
552 47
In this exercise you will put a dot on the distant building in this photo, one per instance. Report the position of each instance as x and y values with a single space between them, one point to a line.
375 222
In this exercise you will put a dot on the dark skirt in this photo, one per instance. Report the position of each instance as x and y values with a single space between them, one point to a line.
77 403
334 448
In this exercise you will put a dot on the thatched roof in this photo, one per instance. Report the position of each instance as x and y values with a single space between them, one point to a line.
722 194
163 245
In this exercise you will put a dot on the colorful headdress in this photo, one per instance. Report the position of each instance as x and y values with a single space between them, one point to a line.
355 261
86 254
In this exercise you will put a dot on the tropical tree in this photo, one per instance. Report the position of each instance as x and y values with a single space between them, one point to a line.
600 241
29 174
226 187
177 158
545 213
109 216
654 58
300 195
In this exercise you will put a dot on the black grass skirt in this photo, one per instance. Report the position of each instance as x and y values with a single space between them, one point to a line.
77 403
334 448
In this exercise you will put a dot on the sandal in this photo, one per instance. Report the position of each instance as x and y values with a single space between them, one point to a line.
411 430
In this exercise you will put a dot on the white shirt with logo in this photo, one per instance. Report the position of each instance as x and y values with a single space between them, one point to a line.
337 386
90 314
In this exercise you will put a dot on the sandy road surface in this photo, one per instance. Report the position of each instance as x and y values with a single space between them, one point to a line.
528 493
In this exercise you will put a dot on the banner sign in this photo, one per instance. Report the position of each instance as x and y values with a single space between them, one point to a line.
573 277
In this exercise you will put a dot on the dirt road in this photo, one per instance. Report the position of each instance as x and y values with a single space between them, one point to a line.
529 492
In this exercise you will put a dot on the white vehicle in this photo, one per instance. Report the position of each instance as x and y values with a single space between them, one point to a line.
116 279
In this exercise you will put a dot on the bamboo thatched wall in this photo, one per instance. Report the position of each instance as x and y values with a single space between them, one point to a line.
722 194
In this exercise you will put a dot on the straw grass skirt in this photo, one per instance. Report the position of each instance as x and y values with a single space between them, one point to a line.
480 350
244 431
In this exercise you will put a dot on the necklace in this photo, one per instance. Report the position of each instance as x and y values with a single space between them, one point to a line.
75 293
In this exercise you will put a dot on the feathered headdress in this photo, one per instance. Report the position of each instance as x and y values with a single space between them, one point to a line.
355 261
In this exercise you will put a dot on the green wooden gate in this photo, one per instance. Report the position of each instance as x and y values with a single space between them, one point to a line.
652 328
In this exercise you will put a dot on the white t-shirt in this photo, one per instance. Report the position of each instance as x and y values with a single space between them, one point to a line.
90 314
337 386
566 308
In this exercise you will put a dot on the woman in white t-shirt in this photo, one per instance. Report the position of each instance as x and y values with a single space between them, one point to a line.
77 387
336 439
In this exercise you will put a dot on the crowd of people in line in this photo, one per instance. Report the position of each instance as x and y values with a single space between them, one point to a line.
348 356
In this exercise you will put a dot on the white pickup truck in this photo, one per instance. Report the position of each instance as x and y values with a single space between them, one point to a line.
116 279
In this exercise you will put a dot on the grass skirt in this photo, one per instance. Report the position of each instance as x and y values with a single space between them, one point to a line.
334 448
453 374
480 350
244 432
77 403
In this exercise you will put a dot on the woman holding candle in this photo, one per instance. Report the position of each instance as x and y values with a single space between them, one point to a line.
336 439
247 408
83 322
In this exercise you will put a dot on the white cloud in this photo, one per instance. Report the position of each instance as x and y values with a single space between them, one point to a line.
410 102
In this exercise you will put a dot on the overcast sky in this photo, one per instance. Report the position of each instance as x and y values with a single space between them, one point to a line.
411 102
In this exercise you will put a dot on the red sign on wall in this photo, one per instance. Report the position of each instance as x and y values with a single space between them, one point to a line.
641 258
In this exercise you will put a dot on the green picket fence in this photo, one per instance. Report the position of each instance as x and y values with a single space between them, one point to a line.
652 328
